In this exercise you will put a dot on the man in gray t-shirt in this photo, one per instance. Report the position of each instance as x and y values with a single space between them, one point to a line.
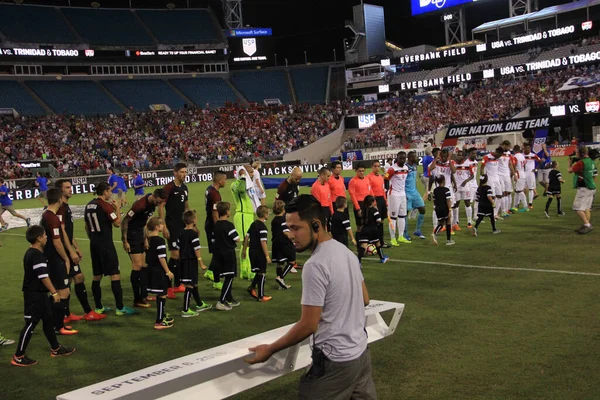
334 295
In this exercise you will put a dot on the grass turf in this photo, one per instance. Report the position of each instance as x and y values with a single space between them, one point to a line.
466 332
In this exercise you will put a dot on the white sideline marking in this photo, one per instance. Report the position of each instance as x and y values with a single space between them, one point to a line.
549 271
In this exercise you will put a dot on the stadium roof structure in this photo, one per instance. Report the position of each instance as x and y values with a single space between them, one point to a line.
548 12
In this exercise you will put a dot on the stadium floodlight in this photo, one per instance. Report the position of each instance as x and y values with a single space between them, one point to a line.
95 4
19 2
171 6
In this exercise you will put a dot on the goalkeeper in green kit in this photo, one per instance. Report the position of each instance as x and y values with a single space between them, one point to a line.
246 202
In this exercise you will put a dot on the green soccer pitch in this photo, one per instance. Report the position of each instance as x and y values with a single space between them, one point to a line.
503 316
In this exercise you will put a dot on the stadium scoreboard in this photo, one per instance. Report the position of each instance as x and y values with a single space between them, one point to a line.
419 7
249 45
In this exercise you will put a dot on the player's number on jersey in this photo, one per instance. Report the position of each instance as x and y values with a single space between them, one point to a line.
183 198
93 222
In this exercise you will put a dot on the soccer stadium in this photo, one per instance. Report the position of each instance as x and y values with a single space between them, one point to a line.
319 200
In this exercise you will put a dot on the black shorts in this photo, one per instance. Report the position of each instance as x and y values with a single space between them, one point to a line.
382 207
553 191
188 271
58 274
484 211
442 212
357 218
368 234
136 243
75 270
36 306
342 238
283 253
174 232
258 261
209 231
158 282
104 259
224 262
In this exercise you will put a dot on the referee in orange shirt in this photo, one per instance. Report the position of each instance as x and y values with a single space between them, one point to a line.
359 188
322 192
336 183
377 186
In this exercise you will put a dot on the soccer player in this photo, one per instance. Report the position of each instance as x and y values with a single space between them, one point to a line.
6 204
172 213
242 190
190 258
160 275
258 183
359 188
134 242
336 182
256 240
36 286
113 181
283 250
369 233
442 165
521 185
387 165
288 189
42 183
531 162
489 167
465 174
226 238
472 154
322 192
75 255
212 197
544 166
506 173
397 175
122 190
442 201
376 179
138 184
485 204
59 264
340 223
100 216
414 201
554 181
430 156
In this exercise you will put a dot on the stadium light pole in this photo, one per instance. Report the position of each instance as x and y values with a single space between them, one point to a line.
305 58
334 56
275 59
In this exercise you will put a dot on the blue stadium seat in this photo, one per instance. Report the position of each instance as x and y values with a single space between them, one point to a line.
259 85
180 26
103 27
74 97
214 91
310 84
140 93
12 95
34 24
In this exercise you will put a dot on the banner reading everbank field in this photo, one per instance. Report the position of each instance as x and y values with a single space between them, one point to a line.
496 127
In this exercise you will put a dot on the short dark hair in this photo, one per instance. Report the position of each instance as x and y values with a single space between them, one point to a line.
262 211
323 170
218 175
340 202
440 179
160 193
375 162
111 169
499 150
307 207
179 166
278 206
33 233
188 217
54 195
471 149
101 188
483 180
517 148
444 151
554 164
335 164
222 208
1 180
435 150
506 143
59 183
358 166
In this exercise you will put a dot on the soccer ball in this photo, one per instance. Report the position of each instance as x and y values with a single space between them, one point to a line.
371 249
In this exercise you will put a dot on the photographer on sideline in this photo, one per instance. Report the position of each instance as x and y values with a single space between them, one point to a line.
334 297
583 181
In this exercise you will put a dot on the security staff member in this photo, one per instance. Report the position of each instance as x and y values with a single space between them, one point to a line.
334 295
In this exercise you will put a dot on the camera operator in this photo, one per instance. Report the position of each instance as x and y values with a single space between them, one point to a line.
333 299
583 166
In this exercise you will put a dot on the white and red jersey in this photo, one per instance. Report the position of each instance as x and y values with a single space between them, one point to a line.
491 164
464 171
397 176
504 164
442 168
520 164
531 160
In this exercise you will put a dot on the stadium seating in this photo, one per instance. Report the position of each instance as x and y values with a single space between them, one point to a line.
13 95
180 26
310 84
74 97
105 27
259 85
214 91
140 93
32 24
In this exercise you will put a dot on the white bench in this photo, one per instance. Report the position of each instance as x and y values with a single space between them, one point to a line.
221 372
